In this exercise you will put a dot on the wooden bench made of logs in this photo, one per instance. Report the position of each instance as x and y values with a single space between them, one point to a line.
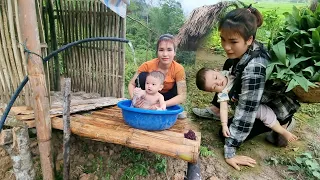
107 125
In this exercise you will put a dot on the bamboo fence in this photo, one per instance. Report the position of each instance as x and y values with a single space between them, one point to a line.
13 63
95 67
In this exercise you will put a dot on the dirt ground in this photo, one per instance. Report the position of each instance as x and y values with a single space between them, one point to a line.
98 160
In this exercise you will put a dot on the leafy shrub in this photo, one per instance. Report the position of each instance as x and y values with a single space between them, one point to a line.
296 50
186 57
306 164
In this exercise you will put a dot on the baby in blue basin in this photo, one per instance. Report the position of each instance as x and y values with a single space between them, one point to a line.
150 98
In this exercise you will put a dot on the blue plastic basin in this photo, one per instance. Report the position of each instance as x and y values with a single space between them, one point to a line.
151 120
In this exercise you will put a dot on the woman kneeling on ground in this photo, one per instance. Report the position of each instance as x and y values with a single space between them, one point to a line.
247 61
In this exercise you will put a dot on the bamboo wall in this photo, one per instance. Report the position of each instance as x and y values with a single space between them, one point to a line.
93 67
13 65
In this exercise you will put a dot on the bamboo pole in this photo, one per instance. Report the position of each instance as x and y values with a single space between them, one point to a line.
28 96
66 128
109 47
119 60
28 21
87 57
73 27
123 58
93 46
54 44
80 49
6 63
16 55
113 55
76 49
135 139
90 45
5 82
8 49
103 60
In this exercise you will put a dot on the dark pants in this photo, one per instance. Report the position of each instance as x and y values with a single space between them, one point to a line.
258 126
167 95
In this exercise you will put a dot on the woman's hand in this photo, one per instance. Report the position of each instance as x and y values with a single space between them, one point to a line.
138 92
225 131
241 160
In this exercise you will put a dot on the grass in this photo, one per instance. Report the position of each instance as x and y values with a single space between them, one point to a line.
280 6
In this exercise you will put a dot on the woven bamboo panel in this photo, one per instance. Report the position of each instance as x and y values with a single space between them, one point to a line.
95 67
12 58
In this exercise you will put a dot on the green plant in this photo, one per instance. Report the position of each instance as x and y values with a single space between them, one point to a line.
138 169
277 160
296 50
204 151
307 165
272 22
160 164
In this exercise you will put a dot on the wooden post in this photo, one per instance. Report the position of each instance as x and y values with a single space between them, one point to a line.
66 128
30 34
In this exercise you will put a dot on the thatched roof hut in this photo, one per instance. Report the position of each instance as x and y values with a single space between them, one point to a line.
201 20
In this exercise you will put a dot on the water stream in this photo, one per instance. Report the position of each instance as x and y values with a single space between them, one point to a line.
136 65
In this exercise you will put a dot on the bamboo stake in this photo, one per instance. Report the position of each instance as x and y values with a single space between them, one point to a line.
73 49
80 36
102 49
103 59
62 32
98 61
90 45
77 52
70 59
87 57
113 55
66 129
118 62
38 84
123 58
109 46
54 44
93 50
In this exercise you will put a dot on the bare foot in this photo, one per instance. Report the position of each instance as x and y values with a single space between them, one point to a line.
289 136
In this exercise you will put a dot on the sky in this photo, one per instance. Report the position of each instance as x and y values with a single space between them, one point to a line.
189 5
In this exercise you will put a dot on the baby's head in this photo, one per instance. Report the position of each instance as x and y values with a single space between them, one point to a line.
210 80
154 82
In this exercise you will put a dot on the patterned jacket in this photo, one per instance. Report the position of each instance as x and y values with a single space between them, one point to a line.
255 90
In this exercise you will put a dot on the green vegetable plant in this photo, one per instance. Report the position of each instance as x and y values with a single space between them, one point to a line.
295 50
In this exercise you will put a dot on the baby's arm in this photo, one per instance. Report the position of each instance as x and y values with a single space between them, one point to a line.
162 103
224 118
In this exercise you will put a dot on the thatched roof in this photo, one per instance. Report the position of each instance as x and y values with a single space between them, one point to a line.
200 22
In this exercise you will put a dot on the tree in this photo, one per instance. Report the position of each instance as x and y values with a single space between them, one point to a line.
167 18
